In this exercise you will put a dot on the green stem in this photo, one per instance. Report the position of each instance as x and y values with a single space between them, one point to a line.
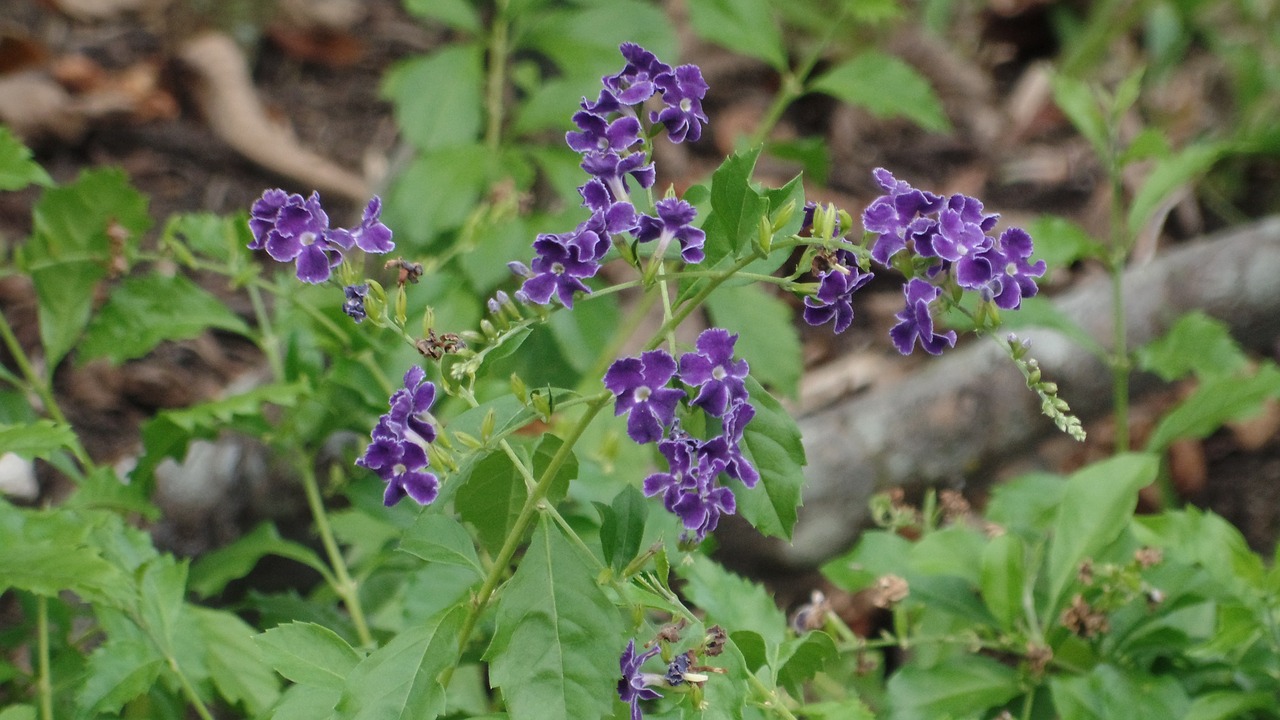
687 307
269 343
527 512
497 79
772 700
189 690
44 685
37 384
619 338
344 585
1119 350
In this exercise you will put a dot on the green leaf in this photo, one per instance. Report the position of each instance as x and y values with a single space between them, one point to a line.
308 654
1027 503
437 191
71 248
767 335
744 26
1098 503
440 539
955 550
102 489
1079 103
1168 175
555 650
800 659
46 565
736 208
1060 242
887 87
733 601
1226 704
597 29
39 439
1108 691
438 97
212 571
18 712
459 14
847 709
1215 402
161 590
622 526
215 237
491 499
117 672
1004 577
235 662
957 687
306 702
1196 344
772 443
548 446
17 169
877 553
585 333
401 679
149 309
167 434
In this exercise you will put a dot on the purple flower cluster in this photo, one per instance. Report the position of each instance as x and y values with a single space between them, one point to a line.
690 487
951 236
610 136
293 229
398 453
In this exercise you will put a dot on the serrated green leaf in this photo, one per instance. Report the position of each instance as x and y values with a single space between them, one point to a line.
17 169
400 680
548 447
736 208
212 571
491 499
767 335
1004 577
802 658
148 309
216 237
957 687
459 14
161 590
308 654
1167 176
622 526
70 250
438 97
772 443
39 439
1098 503
235 662
101 489
440 539
46 555
744 26
733 601
887 87
558 635
1215 402
1196 344
1110 691
306 702
118 671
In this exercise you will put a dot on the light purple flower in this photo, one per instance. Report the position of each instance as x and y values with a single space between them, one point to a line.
293 229
640 385
596 134
682 92
635 82
613 169
563 261
370 235
894 217
398 453
1014 276
916 322
726 448
689 489
674 221
719 378
354 305
634 684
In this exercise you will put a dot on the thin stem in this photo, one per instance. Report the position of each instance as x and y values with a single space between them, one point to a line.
686 308
527 512
665 293
44 685
269 343
1119 349
772 700
41 388
625 329
189 690
497 79
344 585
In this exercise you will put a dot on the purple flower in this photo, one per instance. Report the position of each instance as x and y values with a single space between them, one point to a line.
599 135
607 216
712 369
834 301
961 239
634 685
398 453
635 82
682 92
689 488
914 321
640 387
292 229
726 448
893 217
1014 276
563 261
354 306
370 235
673 221
678 666
613 169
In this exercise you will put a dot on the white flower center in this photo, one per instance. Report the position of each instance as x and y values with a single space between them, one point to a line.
642 393
307 238
1011 269
719 373
686 105
557 268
